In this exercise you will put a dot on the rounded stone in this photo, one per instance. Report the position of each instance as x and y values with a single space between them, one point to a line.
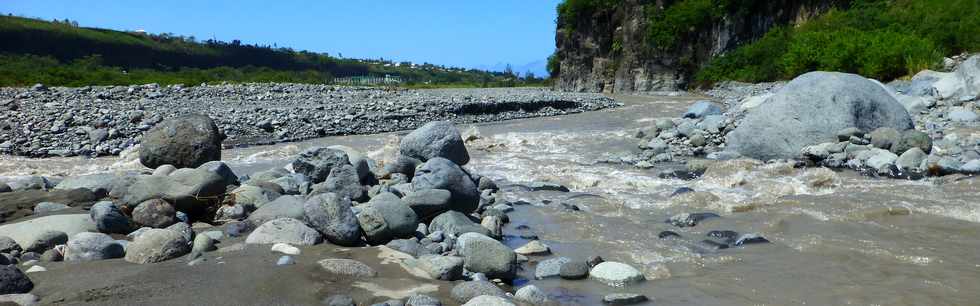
574 270
156 245
466 291
155 213
284 230
616 274
435 139
109 218
92 246
184 142
13 281
347 267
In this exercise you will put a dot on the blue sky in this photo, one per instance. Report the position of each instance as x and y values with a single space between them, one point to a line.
476 34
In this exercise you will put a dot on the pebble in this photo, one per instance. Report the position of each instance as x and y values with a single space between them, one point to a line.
285 248
535 247
624 298
285 260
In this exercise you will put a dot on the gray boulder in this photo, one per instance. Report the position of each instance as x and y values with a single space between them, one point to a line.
92 246
343 181
191 191
911 160
357 159
317 162
428 203
49 207
36 235
913 139
810 110
293 183
332 216
250 197
284 230
701 109
960 114
283 207
616 274
550 267
184 230
385 217
532 295
455 223
221 169
447 268
440 173
466 291
8 245
155 213
99 184
435 139
156 245
347 267
184 142
885 138
109 218
482 254
13 281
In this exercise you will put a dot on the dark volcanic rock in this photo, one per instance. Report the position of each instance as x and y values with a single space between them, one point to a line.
317 162
441 173
184 142
12 280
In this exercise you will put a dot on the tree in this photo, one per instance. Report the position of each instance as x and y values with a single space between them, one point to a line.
509 70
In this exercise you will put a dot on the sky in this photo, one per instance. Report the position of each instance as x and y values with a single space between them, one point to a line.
471 34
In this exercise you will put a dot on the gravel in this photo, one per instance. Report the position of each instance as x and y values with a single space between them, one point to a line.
104 120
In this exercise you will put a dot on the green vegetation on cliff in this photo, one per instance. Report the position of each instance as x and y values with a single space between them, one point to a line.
882 39
61 53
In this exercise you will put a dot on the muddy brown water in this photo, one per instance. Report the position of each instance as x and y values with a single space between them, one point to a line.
837 238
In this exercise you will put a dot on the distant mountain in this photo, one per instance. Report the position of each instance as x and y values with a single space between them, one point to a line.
539 68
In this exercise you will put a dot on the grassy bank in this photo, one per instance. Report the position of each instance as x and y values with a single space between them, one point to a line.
882 39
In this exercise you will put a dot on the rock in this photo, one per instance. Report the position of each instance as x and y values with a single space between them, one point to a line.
332 216
285 260
407 246
203 243
594 260
358 160
534 247
913 139
971 167
293 183
156 245
347 267
8 245
184 230
447 268
99 184
486 183
52 255
550 267
466 291
236 229
403 165
109 218
164 170
344 182
574 270
227 213
22 299
747 239
482 254
690 219
221 169
155 213
385 218
5 188
34 268
40 234
428 203
960 114
192 191
422 300
282 207
12 281
455 223
624 298
284 230
486 300
317 162
881 159
811 109
697 139
435 139
546 186
338 300
616 274
184 142
701 109
533 296
48 207
885 138
250 197
440 173
285 248
92 246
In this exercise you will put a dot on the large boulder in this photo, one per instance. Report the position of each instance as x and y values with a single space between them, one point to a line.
456 223
332 216
486 255
385 218
29 233
428 203
283 207
811 109
192 191
702 109
441 173
361 163
155 213
17 204
156 245
435 139
184 142
317 162
13 281
466 291
92 246
969 73
100 183
343 181
284 230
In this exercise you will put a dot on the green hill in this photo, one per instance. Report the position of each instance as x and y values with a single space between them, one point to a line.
62 53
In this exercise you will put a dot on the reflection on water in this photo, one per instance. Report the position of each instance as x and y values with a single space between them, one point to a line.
838 238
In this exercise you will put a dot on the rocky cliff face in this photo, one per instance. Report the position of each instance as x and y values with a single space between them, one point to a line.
608 51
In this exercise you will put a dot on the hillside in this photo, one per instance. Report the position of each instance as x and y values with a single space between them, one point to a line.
642 45
63 53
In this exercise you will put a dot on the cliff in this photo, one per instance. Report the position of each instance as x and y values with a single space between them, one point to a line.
615 47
